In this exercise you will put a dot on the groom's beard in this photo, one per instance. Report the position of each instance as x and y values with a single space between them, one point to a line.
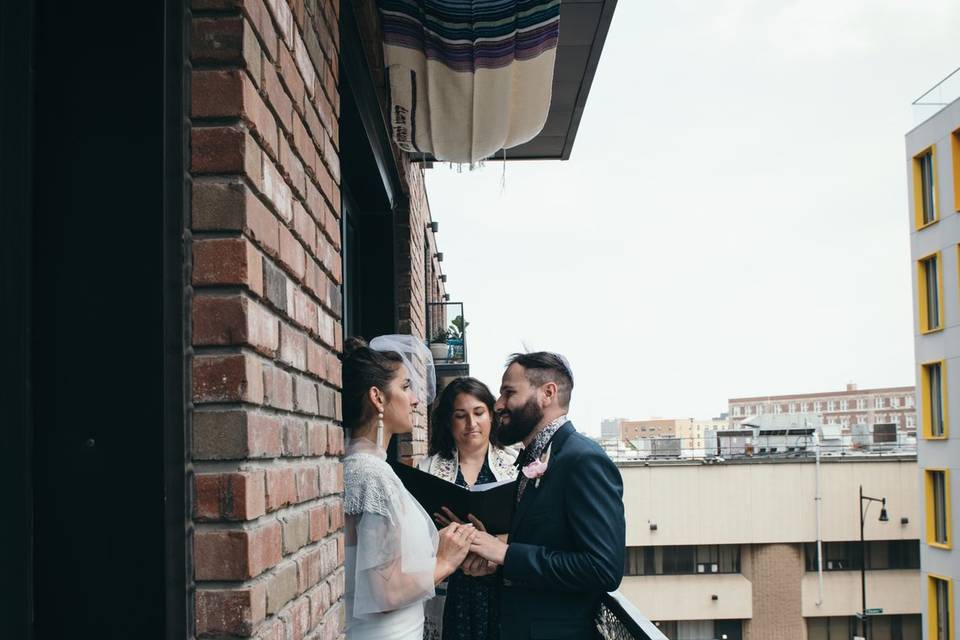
522 422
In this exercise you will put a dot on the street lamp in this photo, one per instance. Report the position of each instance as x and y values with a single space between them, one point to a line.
863 554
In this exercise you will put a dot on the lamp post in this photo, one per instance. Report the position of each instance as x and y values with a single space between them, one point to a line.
863 554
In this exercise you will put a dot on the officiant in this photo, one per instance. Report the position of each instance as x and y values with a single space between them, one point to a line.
464 450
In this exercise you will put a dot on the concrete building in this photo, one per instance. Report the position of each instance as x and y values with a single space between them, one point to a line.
933 176
887 405
728 549
610 428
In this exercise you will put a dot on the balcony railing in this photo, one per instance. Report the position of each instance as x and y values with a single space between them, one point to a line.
620 620
937 97
448 342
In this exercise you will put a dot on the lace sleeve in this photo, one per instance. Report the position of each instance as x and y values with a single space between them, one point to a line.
395 543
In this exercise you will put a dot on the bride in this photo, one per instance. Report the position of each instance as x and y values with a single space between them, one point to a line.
394 555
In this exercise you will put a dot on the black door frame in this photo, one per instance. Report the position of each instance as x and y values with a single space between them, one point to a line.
17 144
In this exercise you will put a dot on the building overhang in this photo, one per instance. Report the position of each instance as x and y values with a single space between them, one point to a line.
583 31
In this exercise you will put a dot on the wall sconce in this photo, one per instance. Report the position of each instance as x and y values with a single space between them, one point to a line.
714 597
904 520
446 297
443 277
439 256
653 526
434 226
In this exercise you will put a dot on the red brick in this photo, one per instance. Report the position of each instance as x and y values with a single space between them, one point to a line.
277 97
316 438
305 398
316 359
335 440
218 150
277 388
229 496
334 370
298 614
320 598
305 311
272 630
283 18
234 435
230 611
231 94
227 261
281 488
227 378
293 168
263 25
328 474
276 191
262 225
293 347
335 510
217 40
290 76
292 254
304 227
308 569
281 586
234 320
307 487
294 437
236 554
319 522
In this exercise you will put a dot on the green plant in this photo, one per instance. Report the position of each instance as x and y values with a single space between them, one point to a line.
458 327
441 336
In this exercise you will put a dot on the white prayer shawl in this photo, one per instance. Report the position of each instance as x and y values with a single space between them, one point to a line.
468 77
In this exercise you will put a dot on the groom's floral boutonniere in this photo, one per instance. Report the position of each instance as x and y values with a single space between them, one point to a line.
536 469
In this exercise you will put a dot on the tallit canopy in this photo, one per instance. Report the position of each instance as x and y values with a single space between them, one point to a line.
468 77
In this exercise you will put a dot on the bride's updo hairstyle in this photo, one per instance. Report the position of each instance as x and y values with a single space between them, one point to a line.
363 368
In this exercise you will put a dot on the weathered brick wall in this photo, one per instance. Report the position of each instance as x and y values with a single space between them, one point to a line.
266 302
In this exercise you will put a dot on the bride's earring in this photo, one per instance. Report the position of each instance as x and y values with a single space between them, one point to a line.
380 430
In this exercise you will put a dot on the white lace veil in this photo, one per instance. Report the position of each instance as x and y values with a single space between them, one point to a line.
418 360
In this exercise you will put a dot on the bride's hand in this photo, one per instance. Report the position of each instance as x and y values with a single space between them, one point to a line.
455 541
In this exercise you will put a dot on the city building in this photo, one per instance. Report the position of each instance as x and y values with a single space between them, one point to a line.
610 428
729 549
852 406
654 428
933 178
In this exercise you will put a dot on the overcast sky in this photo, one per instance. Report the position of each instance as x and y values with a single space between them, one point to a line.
733 219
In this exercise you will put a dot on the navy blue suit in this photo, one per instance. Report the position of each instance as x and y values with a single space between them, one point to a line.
567 544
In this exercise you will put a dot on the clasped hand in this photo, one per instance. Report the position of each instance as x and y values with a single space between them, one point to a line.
487 551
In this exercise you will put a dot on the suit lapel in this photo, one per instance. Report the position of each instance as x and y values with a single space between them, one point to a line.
532 491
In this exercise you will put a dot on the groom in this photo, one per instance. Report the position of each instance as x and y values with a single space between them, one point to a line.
566 545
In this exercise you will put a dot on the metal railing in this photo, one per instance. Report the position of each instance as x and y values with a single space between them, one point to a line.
440 320
617 619
937 97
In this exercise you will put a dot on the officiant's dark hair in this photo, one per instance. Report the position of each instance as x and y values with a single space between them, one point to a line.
441 435
363 368
541 367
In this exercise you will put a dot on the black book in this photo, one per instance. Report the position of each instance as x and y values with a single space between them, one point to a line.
493 504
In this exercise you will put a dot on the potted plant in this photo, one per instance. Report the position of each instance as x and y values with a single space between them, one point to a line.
438 344
455 337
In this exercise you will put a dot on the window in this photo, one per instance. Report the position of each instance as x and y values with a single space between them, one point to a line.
817 406
908 401
736 411
878 403
880 555
933 411
911 420
940 607
938 507
682 560
792 408
925 188
955 145
895 402
831 405
861 403
929 288
844 405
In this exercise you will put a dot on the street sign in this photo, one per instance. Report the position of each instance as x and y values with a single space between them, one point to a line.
873 612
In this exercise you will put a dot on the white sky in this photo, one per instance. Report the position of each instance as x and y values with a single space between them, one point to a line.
733 220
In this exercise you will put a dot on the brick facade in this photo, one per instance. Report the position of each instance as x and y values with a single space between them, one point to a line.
267 274
776 571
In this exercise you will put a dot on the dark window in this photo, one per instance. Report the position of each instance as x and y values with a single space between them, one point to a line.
682 560
881 554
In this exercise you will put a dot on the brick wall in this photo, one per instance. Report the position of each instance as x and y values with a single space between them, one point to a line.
266 274
776 571
266 301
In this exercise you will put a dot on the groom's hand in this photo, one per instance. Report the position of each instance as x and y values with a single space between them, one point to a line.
489 547
476 566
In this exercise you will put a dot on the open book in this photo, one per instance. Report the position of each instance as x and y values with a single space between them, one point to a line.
492 503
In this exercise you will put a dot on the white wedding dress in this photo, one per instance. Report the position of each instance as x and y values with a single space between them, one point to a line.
391 548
